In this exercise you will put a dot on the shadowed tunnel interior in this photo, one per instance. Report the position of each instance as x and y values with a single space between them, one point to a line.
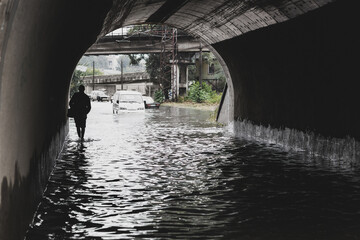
290 64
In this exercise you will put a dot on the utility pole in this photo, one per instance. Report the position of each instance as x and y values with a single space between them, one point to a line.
122 76
93 77
200 68
174 65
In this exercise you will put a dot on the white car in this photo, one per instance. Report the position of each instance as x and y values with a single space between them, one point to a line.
98 95
128 101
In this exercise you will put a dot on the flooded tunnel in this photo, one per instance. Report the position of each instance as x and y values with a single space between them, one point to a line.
290 65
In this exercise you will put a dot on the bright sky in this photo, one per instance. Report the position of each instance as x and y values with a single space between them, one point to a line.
119 31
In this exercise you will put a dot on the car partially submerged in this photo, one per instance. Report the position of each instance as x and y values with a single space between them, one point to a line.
128 101
98 95
150 103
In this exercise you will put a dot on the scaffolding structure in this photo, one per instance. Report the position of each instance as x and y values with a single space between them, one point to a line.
168 75
168 61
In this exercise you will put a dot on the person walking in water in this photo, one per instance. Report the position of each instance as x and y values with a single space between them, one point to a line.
80 103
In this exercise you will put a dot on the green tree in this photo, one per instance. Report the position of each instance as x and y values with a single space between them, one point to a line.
153 66
197 93
159 96
159 74
135 58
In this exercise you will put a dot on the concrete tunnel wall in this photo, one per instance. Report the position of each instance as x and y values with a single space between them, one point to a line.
283 75
39 52
300 74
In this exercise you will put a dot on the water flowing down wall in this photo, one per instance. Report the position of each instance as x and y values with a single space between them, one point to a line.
341 151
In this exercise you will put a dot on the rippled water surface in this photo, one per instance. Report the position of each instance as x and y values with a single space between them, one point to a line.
171 174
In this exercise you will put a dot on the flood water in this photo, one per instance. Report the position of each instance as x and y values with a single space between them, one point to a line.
172 174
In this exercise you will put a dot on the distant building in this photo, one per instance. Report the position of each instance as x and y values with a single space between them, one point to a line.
112 62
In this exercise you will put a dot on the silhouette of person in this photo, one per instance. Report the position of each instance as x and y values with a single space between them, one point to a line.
80 102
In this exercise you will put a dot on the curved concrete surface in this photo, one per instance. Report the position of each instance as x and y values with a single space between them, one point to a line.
289 64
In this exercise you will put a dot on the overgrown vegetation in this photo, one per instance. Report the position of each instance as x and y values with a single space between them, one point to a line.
202 94
159 96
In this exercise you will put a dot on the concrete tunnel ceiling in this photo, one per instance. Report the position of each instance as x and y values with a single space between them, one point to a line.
211 20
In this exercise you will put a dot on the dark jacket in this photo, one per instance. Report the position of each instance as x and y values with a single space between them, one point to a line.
80 103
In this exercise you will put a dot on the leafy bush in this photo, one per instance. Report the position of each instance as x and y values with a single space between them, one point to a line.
198 94
203 94
159 96
215 98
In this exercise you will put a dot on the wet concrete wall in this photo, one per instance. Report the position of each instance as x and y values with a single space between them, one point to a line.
301 74
40 46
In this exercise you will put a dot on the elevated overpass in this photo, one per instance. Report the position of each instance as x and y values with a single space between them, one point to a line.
142 43
116 79
289 64
139 81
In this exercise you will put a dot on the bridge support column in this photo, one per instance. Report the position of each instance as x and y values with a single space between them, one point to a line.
182 78
175 76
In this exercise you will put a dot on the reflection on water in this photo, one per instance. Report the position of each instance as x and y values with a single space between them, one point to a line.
170 174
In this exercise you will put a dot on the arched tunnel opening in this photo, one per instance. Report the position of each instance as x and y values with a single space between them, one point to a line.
291 66
151 59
